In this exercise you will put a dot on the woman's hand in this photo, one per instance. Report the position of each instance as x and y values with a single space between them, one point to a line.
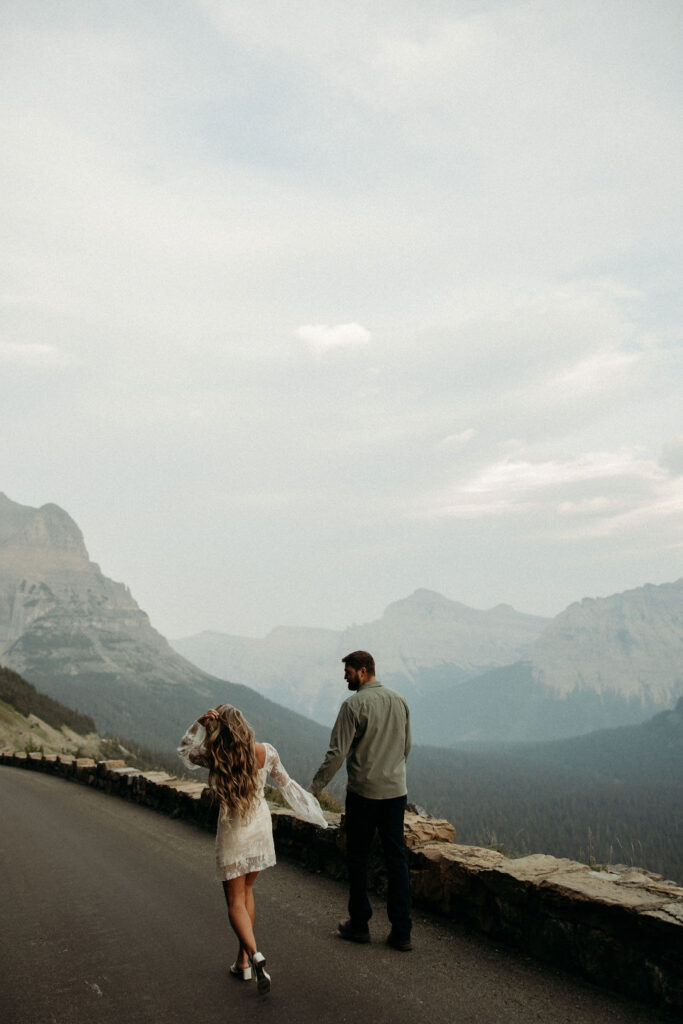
207 716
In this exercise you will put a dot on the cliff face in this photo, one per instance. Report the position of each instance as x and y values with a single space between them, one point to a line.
629 645
81 637
59 614
46 529
601 663
36 546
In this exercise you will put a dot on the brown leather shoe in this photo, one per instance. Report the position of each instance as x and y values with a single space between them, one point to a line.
352 932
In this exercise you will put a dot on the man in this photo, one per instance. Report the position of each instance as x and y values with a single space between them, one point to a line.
372 732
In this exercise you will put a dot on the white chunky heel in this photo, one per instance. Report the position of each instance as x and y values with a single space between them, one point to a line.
240 972
258 962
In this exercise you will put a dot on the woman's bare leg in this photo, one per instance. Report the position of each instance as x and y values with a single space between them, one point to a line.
249 896
240 900
243 959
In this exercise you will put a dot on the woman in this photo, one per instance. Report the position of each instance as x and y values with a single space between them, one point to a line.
222 741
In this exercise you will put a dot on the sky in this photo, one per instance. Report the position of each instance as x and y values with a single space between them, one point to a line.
308 304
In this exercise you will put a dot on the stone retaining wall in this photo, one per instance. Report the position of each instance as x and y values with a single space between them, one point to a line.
621 928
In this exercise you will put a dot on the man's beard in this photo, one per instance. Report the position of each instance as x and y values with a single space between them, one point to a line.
353 684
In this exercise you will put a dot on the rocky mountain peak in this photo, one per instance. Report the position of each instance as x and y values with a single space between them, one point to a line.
48 528
629 644
78 635
421 604
423 596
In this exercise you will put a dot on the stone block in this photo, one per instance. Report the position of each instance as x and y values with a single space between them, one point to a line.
194 789
106 766
310 845
65 765
423 828
669 913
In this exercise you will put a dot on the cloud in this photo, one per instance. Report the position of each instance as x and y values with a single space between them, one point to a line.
598 371
593 494
528 475
321 338
458 440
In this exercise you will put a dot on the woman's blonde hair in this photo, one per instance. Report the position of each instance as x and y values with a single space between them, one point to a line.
233 771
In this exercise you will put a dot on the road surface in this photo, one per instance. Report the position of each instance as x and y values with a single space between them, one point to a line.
109 913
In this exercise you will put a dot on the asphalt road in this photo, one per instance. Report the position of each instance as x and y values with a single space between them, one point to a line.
109 913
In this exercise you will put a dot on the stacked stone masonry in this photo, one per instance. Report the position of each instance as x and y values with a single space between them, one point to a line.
621 928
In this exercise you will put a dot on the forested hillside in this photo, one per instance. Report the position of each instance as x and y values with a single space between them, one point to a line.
25 699
32 721
612 796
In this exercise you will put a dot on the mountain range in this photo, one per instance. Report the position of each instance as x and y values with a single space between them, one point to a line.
421 644
601 663
481 676
470 676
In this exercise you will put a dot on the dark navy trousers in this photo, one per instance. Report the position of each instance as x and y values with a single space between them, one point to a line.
363 818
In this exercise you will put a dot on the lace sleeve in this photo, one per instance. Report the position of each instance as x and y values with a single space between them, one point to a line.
303 803
191 750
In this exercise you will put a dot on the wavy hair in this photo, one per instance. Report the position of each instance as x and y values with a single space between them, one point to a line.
233 771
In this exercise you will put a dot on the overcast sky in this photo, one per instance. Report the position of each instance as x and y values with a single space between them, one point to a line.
307 304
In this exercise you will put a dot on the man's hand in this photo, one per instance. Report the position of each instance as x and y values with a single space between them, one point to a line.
327 801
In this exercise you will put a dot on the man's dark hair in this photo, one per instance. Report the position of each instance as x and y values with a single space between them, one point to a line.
360 659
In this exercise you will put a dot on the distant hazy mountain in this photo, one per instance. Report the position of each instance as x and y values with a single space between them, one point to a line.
630 644
82 639
480 676
420 644
601 663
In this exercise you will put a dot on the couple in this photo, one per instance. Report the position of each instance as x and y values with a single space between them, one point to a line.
372 732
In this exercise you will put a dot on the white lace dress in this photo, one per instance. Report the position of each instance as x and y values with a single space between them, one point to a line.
246 844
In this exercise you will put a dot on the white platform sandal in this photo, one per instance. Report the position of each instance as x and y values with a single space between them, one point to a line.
258 962
240 972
